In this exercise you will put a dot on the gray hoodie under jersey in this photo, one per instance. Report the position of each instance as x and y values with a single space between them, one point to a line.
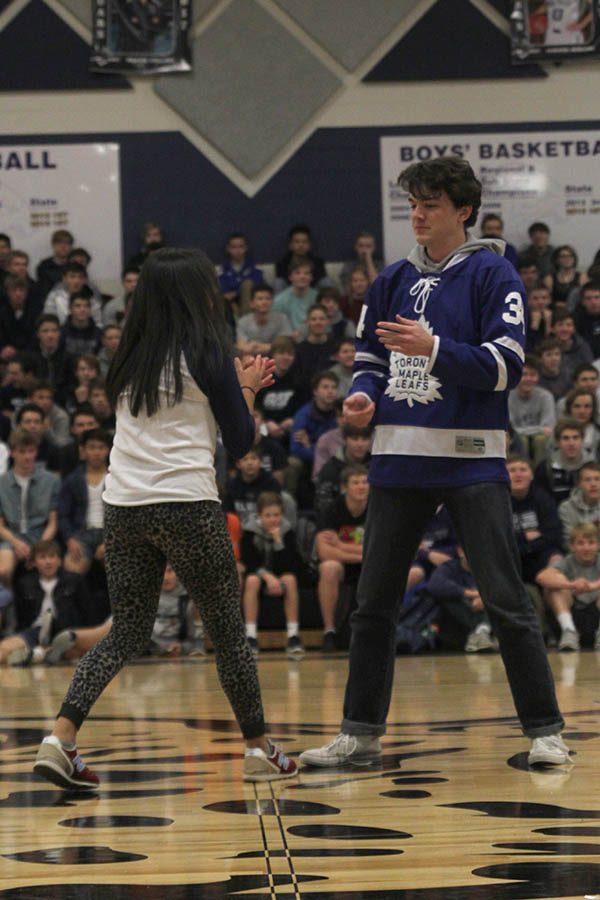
418 255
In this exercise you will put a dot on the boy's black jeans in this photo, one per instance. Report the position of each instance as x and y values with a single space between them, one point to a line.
481 514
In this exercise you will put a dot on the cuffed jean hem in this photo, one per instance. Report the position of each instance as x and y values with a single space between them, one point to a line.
544 730
349 727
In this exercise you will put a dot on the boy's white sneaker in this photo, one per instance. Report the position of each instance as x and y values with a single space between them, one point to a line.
360 749
549 750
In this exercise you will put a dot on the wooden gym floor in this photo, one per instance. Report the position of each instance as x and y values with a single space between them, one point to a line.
452 813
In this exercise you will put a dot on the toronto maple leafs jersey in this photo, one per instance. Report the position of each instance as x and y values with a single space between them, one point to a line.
440 421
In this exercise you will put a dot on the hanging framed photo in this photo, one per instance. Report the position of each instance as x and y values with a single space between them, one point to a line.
141 36
554 29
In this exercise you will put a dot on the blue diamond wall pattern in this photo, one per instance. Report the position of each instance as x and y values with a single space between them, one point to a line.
252 87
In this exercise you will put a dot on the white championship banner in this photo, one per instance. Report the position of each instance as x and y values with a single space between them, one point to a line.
44 187
533 176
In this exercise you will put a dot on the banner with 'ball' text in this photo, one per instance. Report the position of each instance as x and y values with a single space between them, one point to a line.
46 187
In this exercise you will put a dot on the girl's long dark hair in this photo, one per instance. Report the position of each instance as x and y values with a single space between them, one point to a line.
176 308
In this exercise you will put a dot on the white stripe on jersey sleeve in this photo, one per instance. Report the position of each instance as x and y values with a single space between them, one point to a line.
502 373
513 345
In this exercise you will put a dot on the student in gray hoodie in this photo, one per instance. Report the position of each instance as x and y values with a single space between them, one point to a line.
584 503
531 409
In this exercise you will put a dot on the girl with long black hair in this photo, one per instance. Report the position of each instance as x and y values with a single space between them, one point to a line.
172 383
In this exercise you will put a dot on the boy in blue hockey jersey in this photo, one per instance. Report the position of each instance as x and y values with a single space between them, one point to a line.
439 344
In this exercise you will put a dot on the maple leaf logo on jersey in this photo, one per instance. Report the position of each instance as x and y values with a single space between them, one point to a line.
409 379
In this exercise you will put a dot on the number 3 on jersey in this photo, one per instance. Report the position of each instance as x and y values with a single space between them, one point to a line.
515 314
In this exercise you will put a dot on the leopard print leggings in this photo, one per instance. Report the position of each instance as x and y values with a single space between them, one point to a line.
193 537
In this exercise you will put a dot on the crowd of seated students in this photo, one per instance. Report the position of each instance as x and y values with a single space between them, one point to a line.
554 416
296 502
57 337
553 437
58 334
